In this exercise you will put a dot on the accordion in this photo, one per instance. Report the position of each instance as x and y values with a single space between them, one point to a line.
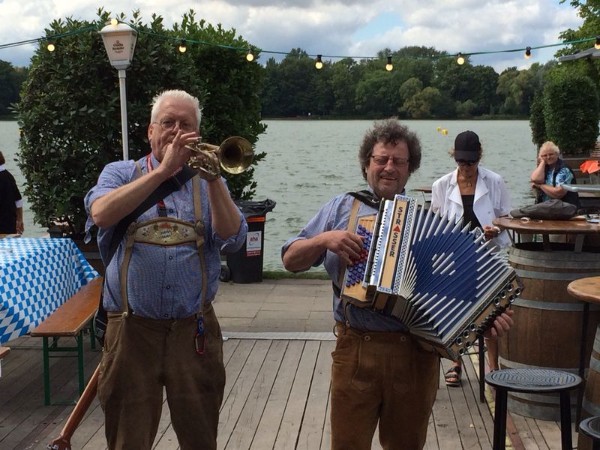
444 282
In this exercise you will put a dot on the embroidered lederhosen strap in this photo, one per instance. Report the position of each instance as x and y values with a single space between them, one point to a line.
165 231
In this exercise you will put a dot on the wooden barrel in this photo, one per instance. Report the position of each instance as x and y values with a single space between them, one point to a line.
590 405
547 320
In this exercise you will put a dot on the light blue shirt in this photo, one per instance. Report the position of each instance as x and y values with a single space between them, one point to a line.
335 215
163 282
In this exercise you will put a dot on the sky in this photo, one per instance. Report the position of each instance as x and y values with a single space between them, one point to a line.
346 28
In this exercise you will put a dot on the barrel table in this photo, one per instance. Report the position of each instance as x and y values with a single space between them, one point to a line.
588 290
547 333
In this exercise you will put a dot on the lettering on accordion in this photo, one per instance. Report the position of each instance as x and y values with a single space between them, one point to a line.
395 245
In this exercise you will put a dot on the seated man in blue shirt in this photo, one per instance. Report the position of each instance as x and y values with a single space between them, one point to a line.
162 331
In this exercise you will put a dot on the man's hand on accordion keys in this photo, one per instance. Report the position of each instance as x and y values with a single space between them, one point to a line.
348 246
501 325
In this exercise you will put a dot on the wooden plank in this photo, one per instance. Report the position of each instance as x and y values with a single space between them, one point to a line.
326 438
431 442
481 419
445 422
245 428
240 390
268 427
294 411
313 424
526 434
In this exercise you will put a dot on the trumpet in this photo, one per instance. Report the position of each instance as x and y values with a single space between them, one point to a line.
235 155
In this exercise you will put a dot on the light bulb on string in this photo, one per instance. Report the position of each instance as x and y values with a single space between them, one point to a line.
460 60
389 66
182 47
114 22
51 47
597 44
249 55
528 53
319 63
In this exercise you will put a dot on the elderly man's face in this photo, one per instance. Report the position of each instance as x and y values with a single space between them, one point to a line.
174 114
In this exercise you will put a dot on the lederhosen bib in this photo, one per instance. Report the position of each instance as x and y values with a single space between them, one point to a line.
166 231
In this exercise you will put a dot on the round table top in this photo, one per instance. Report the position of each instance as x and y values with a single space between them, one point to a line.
573 226
586 289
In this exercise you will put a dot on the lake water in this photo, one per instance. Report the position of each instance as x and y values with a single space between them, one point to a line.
308 162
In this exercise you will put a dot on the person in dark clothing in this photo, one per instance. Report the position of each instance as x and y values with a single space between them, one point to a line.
11 202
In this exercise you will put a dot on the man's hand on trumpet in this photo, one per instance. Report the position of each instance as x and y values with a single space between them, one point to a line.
207 164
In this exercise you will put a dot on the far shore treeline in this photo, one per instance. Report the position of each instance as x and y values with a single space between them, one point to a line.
423 84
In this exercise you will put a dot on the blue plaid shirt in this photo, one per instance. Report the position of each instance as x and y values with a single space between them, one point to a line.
163 282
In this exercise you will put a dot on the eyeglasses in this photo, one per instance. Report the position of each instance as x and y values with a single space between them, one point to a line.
381 160
464 162
169 125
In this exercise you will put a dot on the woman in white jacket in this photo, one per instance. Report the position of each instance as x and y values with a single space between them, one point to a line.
475 195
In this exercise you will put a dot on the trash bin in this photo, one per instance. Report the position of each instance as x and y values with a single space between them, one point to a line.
246 265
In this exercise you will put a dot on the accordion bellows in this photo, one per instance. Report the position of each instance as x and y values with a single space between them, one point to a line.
444 282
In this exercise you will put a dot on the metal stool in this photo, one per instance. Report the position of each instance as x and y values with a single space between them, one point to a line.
539 381
591 428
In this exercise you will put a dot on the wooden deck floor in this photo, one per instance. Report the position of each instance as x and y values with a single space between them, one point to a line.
276 397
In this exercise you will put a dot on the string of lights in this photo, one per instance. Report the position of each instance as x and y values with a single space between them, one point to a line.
183 43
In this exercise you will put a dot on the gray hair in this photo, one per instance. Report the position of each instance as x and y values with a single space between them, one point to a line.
179 94
549 145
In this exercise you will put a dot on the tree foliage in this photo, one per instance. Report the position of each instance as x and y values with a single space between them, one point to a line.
11 79
69 111
571 112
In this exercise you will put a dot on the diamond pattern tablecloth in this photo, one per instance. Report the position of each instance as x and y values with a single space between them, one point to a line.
37 275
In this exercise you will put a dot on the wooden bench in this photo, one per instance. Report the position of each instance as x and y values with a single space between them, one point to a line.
69 320
4 351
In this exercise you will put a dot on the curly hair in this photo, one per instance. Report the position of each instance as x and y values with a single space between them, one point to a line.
389 131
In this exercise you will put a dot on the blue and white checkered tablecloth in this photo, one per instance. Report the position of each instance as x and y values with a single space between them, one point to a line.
37 275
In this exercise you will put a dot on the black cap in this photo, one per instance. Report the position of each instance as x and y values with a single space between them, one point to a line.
467 146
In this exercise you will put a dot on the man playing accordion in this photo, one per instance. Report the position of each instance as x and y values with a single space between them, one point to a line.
381 374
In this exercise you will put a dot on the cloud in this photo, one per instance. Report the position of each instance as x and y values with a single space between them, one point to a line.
337 28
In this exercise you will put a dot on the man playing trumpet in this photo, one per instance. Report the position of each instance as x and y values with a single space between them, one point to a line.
162 331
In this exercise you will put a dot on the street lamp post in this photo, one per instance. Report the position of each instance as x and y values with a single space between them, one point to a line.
119 40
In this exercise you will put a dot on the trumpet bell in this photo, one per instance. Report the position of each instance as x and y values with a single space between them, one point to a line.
236 154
